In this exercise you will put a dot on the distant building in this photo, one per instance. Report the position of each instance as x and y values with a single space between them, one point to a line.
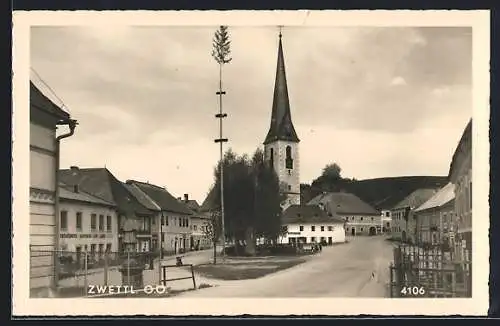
174 218
281 145
311 224
100 182
434 218
87 224
360 217
403 221
386 221
460 175
45 117
198 225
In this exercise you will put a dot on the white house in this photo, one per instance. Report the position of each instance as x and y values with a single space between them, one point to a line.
199 221
361 218
45 116
386 219
311 224
174 218
86 224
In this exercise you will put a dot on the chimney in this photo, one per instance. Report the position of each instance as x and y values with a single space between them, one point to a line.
75 188
179 198
74 169
186 198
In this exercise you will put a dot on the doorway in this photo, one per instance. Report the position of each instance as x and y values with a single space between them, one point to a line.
373 231
403 236
353 231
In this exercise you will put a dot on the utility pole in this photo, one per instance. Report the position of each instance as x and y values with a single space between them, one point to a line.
160 239
220 52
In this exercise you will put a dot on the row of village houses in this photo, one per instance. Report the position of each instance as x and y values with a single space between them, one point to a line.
440 215
85 209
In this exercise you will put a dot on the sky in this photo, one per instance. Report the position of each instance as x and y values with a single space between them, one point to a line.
379 102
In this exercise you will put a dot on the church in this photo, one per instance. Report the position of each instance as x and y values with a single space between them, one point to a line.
281 145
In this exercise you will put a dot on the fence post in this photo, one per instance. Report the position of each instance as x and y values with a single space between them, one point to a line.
192 274
391 281
128 267
106 268
164 271
85 271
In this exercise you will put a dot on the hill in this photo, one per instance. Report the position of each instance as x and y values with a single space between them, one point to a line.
381 193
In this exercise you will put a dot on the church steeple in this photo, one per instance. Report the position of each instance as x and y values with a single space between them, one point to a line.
281 119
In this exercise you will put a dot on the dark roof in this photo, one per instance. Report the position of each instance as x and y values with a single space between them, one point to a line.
142 197
416 198
192 205
39 101
307 214
67 192
281 127
444 196
101 183
465 141
209 202
343 203
162 197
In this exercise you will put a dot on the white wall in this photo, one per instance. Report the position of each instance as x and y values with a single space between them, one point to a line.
174 234
42 205
362 223
294 231
71 238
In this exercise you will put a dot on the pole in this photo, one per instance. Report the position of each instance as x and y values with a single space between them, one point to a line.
160 246
221 140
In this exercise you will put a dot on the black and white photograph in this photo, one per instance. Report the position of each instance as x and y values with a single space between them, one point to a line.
237 159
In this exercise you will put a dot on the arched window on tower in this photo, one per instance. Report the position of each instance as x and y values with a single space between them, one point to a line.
271 157
289 159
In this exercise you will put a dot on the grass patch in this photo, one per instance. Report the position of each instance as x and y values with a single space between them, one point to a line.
250 268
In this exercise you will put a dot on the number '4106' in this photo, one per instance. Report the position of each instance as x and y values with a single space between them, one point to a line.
412 290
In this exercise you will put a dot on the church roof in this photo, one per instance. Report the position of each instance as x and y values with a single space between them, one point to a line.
281 127
343 203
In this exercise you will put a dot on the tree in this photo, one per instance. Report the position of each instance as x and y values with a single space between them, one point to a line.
221 49
332 171
212 229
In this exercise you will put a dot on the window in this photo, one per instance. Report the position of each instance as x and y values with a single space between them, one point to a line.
162 220
195 227
387 214
372 218
352 218
330 228
108 223
361 229
187 222
271 161
289 187
101 222
301 228
289 159
108 247
313 228
166 220
313 239
101 248
322 228
361 218
64 220
92 249
78 221
93 222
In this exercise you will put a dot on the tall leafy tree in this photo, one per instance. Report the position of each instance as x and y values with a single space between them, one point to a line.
212 229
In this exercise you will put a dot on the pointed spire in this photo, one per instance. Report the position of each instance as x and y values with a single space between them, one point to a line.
281 118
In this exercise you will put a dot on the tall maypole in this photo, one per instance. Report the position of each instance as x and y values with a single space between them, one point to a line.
221 51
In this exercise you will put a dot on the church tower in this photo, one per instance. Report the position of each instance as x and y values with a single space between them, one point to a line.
281 146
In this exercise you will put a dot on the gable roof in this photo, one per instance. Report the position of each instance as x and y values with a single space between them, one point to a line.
465 143
142 197
439 199
41 102
66 192
101 183
192 205
416 198
307 214
209 202
343 203
161 197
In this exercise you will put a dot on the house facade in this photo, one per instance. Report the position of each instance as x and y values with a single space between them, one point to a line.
101 183
311 224
198 224
404 226
360 217
434 218
86 224
174 219
386 221
45 117
460 175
